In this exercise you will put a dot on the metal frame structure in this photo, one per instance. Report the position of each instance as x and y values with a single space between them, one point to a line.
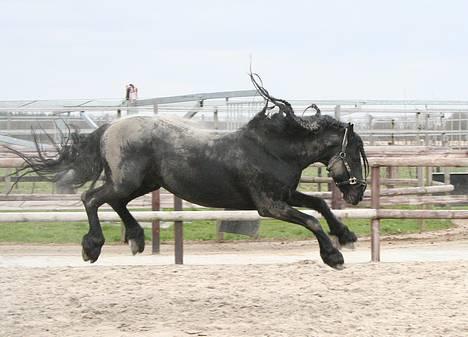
380 121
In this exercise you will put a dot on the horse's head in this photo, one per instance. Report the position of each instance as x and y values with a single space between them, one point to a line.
342 154
346 167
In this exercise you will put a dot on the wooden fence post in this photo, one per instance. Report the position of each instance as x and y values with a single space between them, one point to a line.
178 234
155 224
156 206
336 197
375 222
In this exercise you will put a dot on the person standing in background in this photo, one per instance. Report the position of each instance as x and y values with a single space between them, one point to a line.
131 95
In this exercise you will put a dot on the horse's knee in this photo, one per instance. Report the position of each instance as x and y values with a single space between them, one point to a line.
88 200
314 225
271 212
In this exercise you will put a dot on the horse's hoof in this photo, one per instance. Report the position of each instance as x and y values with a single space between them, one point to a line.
339 267
334 258
86 258
84 255
347 237
134 247
349 245
91 248
136 240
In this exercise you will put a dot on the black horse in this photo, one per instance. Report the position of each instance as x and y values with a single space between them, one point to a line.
257 167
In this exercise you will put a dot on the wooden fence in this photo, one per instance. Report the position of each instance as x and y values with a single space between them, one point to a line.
414 161
375 213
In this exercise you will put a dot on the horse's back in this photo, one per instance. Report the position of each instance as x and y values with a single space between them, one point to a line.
199 166
191 163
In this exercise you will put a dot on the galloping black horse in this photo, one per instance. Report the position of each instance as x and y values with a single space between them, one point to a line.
257 167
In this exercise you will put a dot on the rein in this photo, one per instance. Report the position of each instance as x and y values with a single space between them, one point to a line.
352 180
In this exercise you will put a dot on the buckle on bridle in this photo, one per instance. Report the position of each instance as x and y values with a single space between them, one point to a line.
352 181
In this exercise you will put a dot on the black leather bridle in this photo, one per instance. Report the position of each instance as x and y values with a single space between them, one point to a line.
352 180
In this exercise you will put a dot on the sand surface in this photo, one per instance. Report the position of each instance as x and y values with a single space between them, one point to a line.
299 298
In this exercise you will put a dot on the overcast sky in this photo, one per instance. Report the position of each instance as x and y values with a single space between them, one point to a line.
302 49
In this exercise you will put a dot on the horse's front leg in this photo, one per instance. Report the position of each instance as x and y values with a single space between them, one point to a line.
282 211
337 228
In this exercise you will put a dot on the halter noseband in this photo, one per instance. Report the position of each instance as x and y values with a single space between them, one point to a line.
342 156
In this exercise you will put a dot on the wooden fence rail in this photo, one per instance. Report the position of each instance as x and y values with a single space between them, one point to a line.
385 192
180 216
357 213
375 213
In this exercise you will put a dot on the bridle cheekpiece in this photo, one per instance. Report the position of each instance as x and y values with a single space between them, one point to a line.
352 180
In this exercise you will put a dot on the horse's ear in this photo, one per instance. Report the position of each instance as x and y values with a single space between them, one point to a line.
350 128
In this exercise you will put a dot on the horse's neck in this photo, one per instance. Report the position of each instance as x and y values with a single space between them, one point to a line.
321 147
328 145
299 149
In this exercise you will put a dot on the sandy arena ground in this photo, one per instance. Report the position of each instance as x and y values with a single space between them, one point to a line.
290 294
239 289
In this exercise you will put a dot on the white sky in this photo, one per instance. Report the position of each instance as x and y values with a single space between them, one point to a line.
302 49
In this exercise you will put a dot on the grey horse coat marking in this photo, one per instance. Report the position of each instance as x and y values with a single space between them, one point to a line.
170 149
256 167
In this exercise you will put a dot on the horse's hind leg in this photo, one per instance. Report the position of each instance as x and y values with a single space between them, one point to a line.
337 228
118 197
94 240
134 233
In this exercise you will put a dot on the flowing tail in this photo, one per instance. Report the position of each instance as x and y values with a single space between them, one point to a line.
77 157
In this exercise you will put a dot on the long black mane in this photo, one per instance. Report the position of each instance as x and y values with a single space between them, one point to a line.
282 118
309 124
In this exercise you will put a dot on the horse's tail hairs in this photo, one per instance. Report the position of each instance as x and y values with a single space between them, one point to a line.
76 155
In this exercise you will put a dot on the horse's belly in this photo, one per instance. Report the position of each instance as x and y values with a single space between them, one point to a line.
202 175
211 194
221 202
